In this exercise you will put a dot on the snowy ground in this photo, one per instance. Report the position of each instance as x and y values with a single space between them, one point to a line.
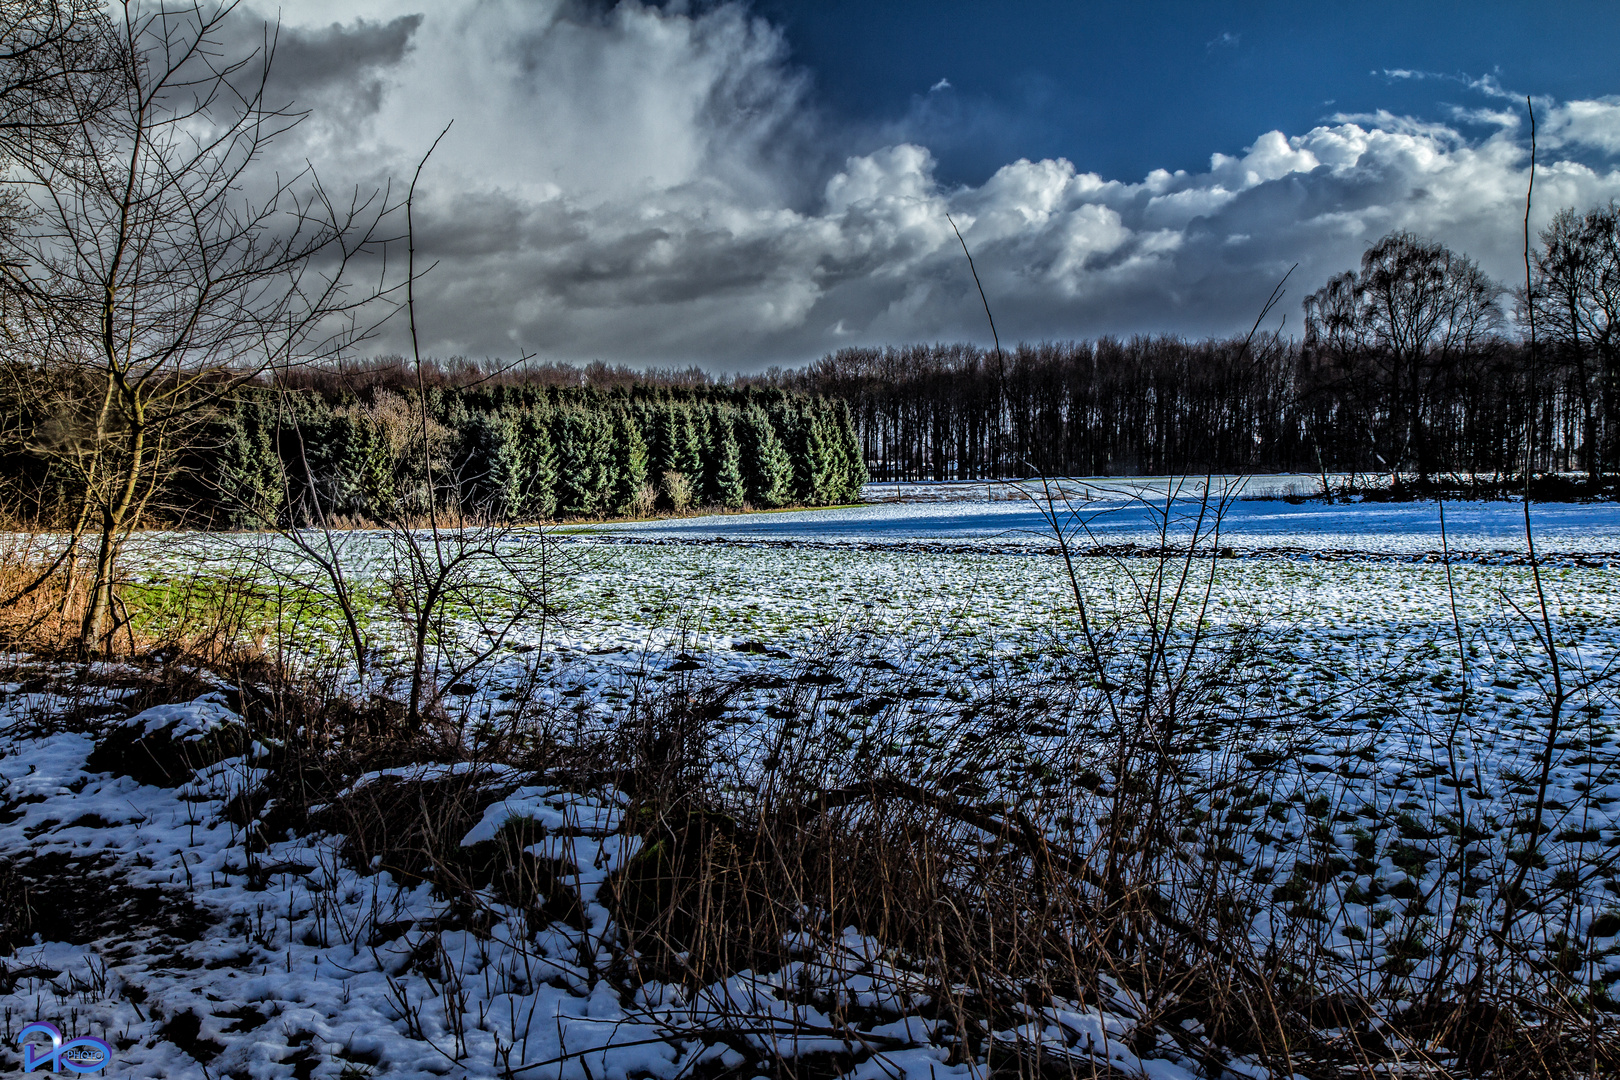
1340 796
196 946
1257 519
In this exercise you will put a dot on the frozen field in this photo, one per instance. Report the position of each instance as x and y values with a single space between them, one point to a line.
1374 754
942 586
1255 519
948 565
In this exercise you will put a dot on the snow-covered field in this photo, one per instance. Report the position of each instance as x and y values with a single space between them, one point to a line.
1257 519
1367 763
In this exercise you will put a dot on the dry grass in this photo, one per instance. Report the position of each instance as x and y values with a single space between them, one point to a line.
44 612
989 909
217 621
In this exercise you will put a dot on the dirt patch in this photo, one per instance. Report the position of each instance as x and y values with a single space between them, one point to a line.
83 900
185 1031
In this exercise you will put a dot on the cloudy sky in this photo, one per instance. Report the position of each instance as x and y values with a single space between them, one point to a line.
746 184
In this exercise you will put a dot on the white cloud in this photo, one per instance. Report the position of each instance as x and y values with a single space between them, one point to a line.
1593 124
1272 156
1485 84
630 183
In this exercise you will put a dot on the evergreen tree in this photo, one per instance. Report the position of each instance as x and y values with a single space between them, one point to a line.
793 421
335 463
354 469
767 470
538 485
514 451
489 466
849 473
235 476
679 449
629 463
661 444
584 462
730 489
685 452
708 425
648 418
821 471
453 411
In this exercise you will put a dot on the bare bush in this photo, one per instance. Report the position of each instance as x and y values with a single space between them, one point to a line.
645 501
677 491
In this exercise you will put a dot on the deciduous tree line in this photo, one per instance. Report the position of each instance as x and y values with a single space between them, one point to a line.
1406 367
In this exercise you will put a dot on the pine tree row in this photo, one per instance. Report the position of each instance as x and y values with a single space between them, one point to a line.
520 454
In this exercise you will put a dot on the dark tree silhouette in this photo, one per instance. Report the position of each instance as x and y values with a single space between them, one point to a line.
1576 292
1411 313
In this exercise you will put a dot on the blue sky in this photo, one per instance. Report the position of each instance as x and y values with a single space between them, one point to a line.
739 184
1124 88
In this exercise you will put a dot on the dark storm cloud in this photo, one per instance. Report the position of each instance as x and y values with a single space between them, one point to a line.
338 70
312 59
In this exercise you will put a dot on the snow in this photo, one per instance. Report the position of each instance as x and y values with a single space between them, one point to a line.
188 722
1256 519
924 604
294 959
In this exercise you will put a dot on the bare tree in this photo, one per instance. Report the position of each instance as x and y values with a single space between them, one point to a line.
150 285
1575 287
57 57
1414 309
58 65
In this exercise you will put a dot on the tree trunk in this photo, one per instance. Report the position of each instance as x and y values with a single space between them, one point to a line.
114 515
1606 450
100 599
